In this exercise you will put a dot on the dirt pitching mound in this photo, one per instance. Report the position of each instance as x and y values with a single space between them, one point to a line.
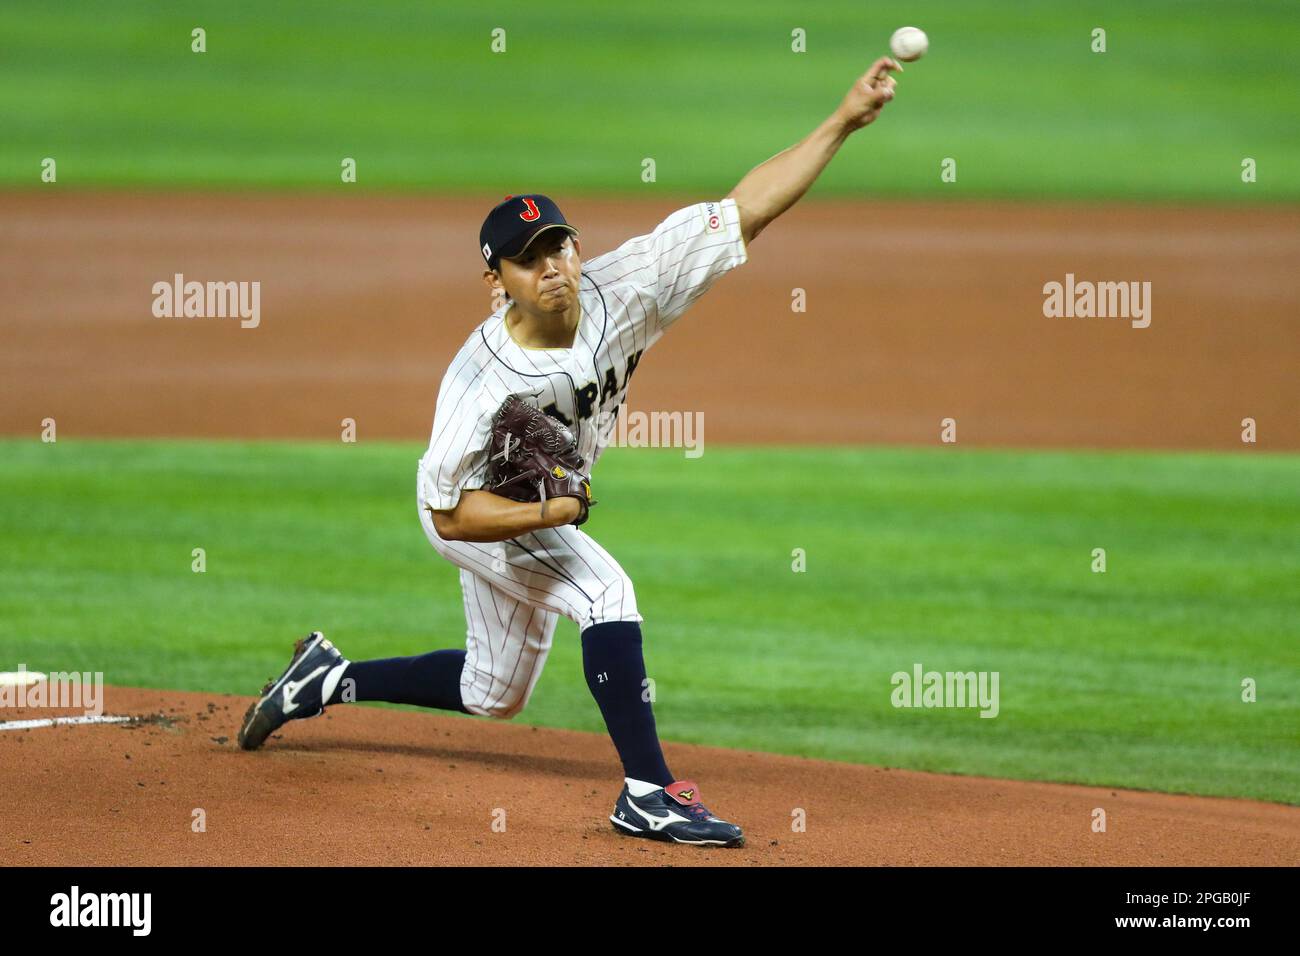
371 786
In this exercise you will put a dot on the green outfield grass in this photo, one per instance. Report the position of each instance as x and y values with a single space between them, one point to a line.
958 560
584 92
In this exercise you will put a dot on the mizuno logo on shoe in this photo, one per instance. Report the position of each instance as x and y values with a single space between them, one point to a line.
656 822
291 689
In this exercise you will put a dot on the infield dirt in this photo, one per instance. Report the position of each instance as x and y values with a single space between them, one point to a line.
915 313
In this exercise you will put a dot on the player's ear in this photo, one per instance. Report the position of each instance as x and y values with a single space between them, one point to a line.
492 279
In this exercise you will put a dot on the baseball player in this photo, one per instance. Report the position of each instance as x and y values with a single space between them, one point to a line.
567 338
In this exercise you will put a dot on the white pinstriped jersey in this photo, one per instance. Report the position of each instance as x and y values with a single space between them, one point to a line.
629 297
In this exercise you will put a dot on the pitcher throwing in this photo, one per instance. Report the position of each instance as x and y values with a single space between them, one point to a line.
535 389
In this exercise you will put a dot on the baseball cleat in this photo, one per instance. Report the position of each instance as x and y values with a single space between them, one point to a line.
299 693
671 813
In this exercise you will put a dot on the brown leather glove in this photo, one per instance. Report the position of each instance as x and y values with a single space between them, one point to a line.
533 457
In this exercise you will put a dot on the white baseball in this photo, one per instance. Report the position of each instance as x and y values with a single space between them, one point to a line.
908 44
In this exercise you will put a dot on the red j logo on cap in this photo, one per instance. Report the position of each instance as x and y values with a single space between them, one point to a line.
532 214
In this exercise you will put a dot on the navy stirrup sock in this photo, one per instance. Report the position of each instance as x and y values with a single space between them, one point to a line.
615 670
430 680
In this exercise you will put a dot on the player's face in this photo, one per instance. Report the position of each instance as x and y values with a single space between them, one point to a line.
545 278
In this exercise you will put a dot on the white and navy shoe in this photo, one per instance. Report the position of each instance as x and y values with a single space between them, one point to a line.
300 692
671 813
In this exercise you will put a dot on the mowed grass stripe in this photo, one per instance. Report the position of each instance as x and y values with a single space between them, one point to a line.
958 560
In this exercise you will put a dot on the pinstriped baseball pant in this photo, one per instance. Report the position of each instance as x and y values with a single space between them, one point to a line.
515 592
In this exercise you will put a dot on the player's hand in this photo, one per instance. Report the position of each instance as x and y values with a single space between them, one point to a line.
869 94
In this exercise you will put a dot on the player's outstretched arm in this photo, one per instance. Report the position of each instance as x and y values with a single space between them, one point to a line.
771 188
483 516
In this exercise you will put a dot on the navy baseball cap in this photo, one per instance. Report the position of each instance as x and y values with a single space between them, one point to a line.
514 223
